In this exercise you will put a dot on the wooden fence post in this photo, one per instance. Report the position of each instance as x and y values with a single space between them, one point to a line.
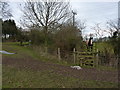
46 50
97 58
59 57
74 54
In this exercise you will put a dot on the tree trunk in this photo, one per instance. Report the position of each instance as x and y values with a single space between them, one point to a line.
5 37
46 36
21 43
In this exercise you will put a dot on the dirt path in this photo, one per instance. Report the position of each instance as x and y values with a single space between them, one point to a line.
84 74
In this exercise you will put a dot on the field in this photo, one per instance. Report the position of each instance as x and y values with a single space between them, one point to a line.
29 69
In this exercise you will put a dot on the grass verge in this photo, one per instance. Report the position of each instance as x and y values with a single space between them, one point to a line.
19 78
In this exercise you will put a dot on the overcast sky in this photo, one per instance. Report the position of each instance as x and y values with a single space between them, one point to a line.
92 12
95 12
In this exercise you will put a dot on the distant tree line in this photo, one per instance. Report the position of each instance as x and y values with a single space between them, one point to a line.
65 37
9 28
14 33
50 23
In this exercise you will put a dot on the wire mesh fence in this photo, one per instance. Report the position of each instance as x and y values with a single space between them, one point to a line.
72 57
108 60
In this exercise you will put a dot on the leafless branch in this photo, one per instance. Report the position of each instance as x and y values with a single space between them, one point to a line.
45 13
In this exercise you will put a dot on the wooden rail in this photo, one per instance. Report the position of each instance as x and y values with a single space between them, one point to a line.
86 58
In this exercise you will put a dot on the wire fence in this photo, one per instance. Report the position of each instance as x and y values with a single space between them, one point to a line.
108 60
71 57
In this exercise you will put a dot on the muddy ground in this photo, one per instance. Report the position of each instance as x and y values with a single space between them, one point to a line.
83 74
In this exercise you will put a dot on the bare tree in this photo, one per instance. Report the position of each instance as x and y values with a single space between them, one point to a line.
112 26
99 32
81 25
5 10
45 14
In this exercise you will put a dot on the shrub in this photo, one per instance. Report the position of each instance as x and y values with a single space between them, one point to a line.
67 38
37 37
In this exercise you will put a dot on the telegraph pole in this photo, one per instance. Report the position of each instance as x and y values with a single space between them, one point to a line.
74 13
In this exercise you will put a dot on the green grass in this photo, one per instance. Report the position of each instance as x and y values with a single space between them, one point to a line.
34 53
15 78
101 46
21 51
19 78
28 51
25 78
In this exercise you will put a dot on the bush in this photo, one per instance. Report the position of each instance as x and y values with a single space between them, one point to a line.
37 37
68 38
22 36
